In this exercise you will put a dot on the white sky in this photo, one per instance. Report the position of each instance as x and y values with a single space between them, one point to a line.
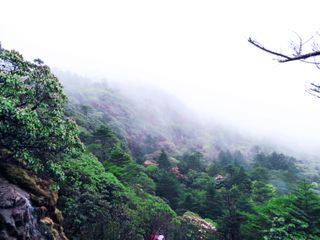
197 50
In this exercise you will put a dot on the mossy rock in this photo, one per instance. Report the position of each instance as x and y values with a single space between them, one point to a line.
57 216
51 230
39 190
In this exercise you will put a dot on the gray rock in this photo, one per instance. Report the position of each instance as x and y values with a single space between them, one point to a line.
17 216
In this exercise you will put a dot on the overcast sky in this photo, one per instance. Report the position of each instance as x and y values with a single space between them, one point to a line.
197 50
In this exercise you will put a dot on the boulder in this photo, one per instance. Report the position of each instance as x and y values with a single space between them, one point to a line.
28 206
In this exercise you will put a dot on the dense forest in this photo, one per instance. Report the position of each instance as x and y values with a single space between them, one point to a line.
105 166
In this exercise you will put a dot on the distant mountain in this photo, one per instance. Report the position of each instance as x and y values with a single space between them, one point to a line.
149 119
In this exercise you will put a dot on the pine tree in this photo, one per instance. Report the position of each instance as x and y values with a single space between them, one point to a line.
163 160
306 208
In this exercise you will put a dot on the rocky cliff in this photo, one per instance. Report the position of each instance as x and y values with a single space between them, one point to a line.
28 206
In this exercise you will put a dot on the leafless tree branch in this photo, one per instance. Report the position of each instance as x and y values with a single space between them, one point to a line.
299 54
286 58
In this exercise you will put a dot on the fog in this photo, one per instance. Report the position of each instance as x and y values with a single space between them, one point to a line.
195 50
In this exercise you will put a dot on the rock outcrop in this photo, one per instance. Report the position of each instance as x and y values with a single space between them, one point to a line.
27 207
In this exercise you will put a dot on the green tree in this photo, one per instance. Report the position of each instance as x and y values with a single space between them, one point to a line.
237 176
262 192
191 162
276 161
168 187
231 220
212 203
225 158
102 142
163 160
32 123
213 169
306 208
280 229
259 173
119 157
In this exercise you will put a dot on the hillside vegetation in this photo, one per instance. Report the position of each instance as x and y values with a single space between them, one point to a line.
128 168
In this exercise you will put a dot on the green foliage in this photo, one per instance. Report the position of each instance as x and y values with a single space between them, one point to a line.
280 229
306 208
134 175
259 173
90 193
295 216
237 176
103 143
105 194
212 203
213 169
198 180
276 161
32 123
168 187
163 160
262 192
151 170
119 157
86 172
86 195
230 222
225 158
152 214
191 162
278 169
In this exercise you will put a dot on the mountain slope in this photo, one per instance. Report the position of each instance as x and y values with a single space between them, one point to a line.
149 119
101 190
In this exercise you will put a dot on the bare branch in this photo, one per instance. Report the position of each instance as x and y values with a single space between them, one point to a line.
309 91
283 57
258 45
298 54
313 89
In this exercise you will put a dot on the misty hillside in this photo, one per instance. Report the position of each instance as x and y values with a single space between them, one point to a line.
123 161
159 120
150 119
145 115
